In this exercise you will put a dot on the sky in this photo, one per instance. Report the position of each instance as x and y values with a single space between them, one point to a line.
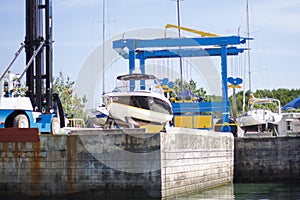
77 31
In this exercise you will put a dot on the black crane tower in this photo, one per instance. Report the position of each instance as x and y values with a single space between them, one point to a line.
39 73
38 45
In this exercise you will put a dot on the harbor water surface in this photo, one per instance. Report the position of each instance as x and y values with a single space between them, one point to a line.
249 191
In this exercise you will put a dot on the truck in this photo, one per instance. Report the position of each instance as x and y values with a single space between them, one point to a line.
37 107
16 110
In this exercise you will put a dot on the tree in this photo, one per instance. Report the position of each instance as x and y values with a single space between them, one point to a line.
73 105
192 86
282 94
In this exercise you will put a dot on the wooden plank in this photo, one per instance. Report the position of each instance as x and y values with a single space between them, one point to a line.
19 135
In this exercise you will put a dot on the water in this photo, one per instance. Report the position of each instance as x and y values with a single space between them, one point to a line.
237 191
249 191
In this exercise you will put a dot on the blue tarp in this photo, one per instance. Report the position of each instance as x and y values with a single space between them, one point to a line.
188 93
295 103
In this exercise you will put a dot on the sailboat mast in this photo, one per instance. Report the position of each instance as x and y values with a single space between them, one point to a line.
178 16
248 57
103 39
248 46
180 59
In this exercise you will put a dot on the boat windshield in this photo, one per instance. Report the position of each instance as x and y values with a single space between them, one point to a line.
146 85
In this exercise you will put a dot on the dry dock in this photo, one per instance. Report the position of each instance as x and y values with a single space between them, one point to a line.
128 163
116 164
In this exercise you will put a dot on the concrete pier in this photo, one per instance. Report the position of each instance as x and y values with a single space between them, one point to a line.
114 164
195 160
267 159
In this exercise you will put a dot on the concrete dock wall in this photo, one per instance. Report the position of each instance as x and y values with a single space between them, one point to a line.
268 159
96 164
116 164
194 160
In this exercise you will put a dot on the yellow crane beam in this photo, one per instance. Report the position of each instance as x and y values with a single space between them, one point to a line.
202 33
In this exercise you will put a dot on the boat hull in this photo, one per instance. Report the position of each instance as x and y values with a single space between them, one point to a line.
259 120
139 108
97 117
258 127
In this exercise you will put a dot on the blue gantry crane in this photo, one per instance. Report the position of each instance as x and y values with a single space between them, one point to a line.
222 46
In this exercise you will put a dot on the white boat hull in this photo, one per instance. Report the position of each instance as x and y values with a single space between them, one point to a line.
137 116
258 120
138 101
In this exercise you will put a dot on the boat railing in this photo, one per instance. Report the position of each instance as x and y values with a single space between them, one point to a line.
75 123
257 101
145 88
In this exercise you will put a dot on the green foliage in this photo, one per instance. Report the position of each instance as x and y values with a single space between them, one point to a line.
214 98
73 105
192 86
200 92
239 101
283 95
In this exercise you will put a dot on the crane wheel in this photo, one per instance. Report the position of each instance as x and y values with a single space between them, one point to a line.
55 126
21 121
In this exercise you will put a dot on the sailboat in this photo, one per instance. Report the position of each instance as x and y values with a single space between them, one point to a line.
260 119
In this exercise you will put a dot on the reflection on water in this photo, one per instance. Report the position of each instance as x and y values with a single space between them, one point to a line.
267 191
237 191
249 191
223 192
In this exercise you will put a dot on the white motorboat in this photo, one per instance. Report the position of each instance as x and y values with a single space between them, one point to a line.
97 117
138 100
260 119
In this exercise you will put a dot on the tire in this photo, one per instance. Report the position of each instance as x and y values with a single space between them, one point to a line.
55 126
21 121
